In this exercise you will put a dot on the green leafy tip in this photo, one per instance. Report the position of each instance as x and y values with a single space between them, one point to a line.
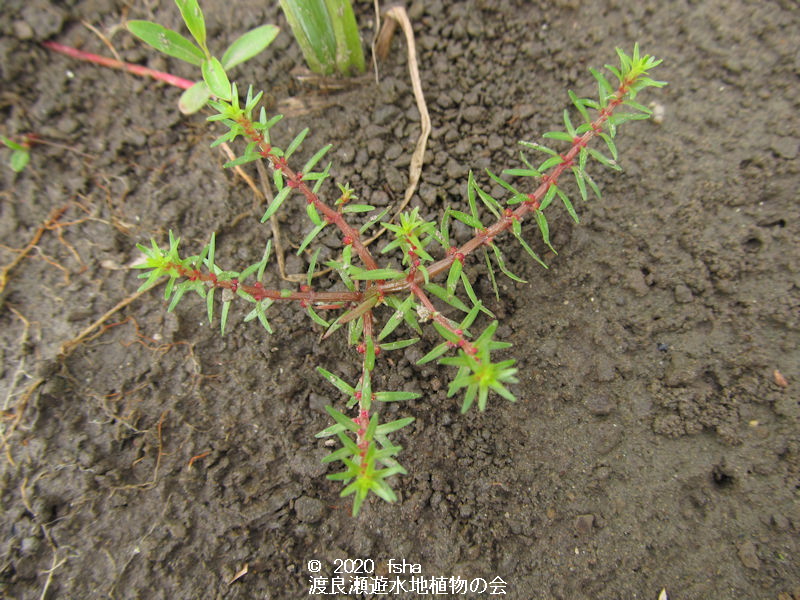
478 374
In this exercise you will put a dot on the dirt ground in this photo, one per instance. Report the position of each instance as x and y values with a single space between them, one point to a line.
653 447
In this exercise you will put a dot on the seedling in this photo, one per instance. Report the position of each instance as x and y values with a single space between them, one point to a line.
215 79
20 152
421 283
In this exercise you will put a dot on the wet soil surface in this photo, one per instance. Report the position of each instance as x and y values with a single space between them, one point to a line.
653 446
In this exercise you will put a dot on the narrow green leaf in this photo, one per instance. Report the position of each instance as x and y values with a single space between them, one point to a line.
446 296
568 124
242 160
369 353
224 316
320 177
375 274
226 137
544 228
357 312
264 260
473 209
469 398
259 312
579 104
276 203
550 162
312 162
312 265
295 144
604 159
558 135
210 304
394 425
581 186
523 172
548 196
355 327
357 208
316 318
592 185
313 215
399 345
167 41
517 230
327 432
395 397
492 277
503 183
501 263
453 276
538 147
211 249
397 317
568 204
583 156
611 146
604 88
342 419
434 354
466 219
310 236
11 145
469 319
382 490
193 17
373 220
619 118
337 382
490 203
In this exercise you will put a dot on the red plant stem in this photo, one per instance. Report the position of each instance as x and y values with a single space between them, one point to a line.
179 82
364 403
505 222
295 179
463 342
260 293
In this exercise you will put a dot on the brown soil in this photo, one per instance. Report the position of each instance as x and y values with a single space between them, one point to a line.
651 448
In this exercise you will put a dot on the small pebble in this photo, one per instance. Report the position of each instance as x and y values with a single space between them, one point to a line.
22 30
780 522
309 510
584 524
786 147
600 406
473 114
524 111
749 556
682 294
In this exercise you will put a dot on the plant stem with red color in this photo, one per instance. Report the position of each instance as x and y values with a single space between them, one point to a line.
113 63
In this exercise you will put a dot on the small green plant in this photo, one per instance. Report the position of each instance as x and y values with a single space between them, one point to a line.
20 152
327 33
215 79
422 280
